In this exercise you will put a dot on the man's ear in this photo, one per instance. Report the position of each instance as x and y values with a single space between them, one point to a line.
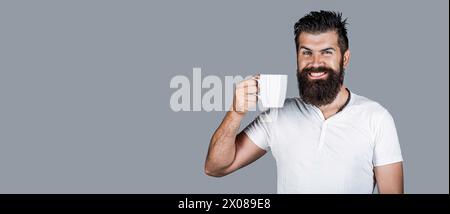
346 58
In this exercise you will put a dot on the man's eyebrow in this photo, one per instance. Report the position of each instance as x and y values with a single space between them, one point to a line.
305 48
327 49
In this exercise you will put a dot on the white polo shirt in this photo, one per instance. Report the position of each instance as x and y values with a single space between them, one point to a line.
336 155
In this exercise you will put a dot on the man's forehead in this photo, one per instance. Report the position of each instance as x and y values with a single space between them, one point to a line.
318 40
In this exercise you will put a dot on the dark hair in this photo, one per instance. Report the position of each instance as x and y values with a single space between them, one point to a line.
321 22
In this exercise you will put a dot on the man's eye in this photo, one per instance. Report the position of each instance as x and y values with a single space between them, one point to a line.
327 52
307 53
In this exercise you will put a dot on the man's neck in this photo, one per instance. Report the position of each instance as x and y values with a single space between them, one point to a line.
340 100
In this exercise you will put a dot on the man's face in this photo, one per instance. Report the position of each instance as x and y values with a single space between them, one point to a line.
320 71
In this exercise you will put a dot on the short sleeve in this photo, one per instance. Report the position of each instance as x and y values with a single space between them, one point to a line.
387 146
259 130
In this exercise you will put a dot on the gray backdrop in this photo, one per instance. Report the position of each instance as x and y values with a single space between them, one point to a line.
84 88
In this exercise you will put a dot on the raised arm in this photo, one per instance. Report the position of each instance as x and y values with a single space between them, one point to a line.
228 150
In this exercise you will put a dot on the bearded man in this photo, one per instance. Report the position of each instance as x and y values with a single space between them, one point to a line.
327 140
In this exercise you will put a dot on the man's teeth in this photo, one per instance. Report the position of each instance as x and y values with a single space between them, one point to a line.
316 74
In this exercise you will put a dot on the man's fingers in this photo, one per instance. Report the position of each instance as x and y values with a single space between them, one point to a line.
246 94
251 90
249 104
251 98
247 83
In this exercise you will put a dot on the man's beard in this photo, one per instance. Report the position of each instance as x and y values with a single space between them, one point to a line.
321 91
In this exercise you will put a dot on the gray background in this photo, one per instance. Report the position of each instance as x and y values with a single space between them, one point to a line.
84 88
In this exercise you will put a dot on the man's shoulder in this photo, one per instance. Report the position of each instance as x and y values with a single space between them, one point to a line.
291 101
366 105
291 105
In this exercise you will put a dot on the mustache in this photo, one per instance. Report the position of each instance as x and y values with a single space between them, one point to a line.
317 70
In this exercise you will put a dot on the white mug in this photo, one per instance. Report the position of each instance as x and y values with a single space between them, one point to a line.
272 90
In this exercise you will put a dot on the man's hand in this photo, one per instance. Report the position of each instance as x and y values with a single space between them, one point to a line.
245 95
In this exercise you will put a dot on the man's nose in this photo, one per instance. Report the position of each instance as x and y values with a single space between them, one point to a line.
317 61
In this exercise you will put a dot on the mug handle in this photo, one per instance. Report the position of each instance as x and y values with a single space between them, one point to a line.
256 77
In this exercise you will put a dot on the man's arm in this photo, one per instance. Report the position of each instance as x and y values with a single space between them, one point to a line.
229 151
389 178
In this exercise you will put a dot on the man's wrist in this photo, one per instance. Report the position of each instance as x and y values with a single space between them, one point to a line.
236 115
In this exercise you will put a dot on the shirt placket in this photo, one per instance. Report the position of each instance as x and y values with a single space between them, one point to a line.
323 132
323 128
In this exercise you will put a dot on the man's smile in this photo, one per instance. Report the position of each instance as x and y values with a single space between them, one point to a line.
317 75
